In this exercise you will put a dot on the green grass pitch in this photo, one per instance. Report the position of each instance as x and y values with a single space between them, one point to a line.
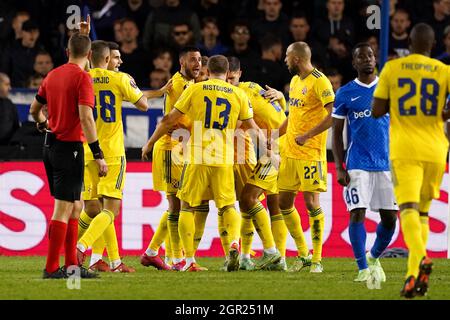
20 278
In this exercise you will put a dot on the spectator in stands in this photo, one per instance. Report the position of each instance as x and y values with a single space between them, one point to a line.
400 24
9 119
210 44
240 35
339 57
181 36
272 21
213 8
34 81
158 78
18 59
439 20
163 60
272 72
103 17
118 31
299 28
138 11
335 78
19 19
445 56
334 23
43 63
159 24
136 61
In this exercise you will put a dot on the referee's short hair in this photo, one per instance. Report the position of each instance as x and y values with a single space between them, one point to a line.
100 50
79 45
218 64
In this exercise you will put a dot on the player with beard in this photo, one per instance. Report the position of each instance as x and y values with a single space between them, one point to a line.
168 164
303 162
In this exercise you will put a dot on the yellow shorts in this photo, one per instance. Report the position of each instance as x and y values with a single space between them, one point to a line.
95 187
302 175
417 181
265 176
200 182
242 173
166 168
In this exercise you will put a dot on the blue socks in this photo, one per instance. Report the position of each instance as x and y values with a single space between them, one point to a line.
357 233
384 236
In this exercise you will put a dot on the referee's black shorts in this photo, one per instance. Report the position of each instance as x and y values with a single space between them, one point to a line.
64 165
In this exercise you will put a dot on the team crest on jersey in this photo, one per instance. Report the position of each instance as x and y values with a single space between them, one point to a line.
304 90
326 93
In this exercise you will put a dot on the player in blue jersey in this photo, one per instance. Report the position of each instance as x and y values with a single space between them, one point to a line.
365 174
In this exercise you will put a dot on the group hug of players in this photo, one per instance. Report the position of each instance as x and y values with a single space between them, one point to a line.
217 100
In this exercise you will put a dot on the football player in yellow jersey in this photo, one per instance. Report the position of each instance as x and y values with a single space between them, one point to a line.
93 206
111 88
261 178
303 164
413 89
215 108
168 163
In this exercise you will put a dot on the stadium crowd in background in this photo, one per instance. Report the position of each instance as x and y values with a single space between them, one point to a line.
256 31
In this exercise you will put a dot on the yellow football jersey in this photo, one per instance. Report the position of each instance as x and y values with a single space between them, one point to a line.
214 106
110 89
307 98
267 115
417 88
179 84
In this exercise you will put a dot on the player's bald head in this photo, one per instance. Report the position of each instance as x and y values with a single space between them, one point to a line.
301 50
421 38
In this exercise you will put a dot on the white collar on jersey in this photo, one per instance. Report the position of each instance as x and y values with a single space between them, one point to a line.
370 85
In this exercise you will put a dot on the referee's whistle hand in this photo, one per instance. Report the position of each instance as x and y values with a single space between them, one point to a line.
102 167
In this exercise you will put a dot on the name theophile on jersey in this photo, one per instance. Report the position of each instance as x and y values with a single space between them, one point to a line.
213 87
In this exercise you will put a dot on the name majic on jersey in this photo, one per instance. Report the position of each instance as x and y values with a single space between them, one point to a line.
226 146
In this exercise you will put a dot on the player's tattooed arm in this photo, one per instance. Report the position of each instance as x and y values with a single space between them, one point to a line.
338 151
379 107
325 124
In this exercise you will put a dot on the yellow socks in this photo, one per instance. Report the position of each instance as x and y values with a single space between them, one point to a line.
232 224
83 223
168 247
412 234
200 216
186 229
425 221
294 225
262 224
279 232
223 233
98 247
112 246
172 226
96 228
160 234
316 223
247 231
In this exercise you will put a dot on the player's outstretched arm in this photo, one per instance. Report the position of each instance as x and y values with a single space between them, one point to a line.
142 104
379 107
150 94
166 124
325 124
338 151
